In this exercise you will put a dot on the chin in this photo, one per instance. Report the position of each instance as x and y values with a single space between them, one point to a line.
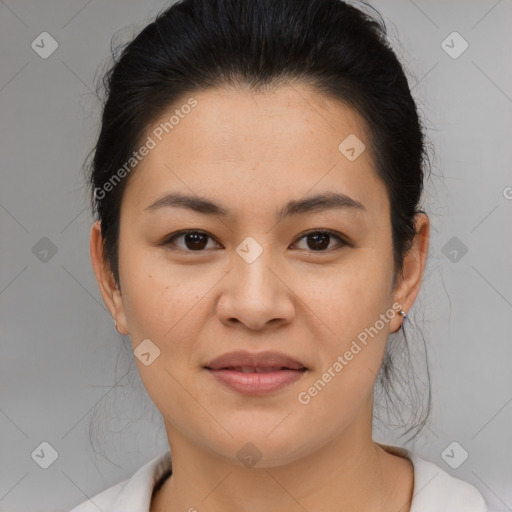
261 450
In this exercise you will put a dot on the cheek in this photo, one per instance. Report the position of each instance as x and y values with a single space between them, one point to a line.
160 299
351 295
349 359
350 306
164 306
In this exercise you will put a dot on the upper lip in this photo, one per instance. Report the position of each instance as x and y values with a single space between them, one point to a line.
243 358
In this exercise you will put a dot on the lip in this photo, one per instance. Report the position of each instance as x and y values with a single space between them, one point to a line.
256 373
243 358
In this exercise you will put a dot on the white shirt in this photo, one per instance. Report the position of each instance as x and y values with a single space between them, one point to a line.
434 489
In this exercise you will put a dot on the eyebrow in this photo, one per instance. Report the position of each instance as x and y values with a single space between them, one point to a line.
309 204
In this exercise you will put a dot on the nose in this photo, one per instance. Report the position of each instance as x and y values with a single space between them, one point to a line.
256 295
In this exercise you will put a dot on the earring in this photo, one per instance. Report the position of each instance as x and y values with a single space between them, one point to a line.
115 325
404 315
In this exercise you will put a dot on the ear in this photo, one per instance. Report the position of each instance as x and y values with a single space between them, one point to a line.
106 282
409 280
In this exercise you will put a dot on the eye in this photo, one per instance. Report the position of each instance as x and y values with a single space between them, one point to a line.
194 240
319 240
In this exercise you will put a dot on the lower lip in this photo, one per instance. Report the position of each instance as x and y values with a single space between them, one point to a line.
257 384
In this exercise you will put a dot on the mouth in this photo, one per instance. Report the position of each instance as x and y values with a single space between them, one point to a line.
256 374
256 369
255 361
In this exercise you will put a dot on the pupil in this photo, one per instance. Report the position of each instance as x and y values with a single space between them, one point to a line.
193 240
321 241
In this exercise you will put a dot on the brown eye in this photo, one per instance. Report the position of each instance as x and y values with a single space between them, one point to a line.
192 241
319 240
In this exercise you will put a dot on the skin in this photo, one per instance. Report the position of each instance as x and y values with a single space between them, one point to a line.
252 152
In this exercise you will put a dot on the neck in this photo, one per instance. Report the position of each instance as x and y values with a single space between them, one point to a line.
351 472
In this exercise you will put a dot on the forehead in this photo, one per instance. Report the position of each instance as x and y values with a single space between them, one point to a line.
242 145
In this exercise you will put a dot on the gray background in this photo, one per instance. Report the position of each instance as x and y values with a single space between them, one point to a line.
60 351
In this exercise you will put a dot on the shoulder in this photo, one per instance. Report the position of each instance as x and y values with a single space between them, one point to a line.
102 501
435 490
133 493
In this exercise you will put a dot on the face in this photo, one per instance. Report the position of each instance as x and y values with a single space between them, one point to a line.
256 273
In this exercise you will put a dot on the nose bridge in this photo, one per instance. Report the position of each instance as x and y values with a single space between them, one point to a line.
253 262
254 295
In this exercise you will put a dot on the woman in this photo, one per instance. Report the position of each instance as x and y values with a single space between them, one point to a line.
257 182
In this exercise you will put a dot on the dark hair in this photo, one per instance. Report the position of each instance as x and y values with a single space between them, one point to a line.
193 45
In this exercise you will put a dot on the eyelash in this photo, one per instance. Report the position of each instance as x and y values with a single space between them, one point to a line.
343 242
